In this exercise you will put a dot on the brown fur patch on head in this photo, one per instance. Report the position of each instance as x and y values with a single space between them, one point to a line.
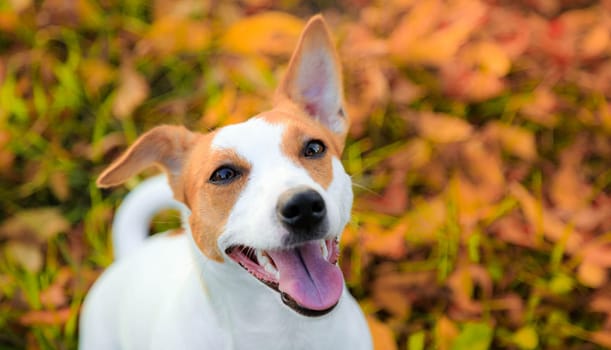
210 203
298 131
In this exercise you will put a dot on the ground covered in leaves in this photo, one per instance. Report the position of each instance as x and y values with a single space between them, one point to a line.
480 151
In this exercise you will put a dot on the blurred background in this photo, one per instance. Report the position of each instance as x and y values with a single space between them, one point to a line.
480 151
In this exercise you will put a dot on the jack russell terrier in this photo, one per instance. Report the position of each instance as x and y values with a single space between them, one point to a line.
266 200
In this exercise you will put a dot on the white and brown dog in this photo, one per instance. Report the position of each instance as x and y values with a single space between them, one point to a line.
267 202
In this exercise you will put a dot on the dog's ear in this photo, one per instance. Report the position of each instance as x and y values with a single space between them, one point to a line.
165 146
313 80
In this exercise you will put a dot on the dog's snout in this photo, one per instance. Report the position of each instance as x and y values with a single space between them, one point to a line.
301 208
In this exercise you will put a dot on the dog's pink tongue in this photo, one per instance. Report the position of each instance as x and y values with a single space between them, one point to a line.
307 277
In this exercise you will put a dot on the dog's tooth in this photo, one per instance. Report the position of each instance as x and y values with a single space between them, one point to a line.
266 263
324 249
260 256
263 259
269 268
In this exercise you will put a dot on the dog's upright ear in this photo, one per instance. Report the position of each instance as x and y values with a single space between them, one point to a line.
313 80
165 146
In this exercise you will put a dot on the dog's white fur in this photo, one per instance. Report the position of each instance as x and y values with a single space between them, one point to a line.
167 293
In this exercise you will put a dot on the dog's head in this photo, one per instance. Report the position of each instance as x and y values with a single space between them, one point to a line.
270 194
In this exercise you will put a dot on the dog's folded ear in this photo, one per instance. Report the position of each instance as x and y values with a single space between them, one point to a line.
313 80
165 146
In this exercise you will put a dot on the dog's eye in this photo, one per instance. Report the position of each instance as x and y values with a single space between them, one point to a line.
314 149
224 175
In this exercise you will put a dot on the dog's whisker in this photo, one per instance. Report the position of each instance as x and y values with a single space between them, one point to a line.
363 187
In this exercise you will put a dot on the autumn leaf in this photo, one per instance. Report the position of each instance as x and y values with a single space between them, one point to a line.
133 90
543 220
505 27
602 338
56 295
381 334
28 256
59 185
425 219
393 301
98 72
540 107
443 128
380 242
267 33
470 85
413 155
40 223
180 8
71 13
8 20
46 317
171 35
595 41
419 21
565 183
512 229
513 304
463 281
423 36
515 140
474 200
487 57
485 166
446 332
592 274
367 90
6 156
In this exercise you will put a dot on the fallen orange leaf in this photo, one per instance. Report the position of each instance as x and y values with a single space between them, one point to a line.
488 57
602 338
596 41
45 317
443 128
381 242
542 220
172 35
591 274
427 36
133 90
382 335
445 333
267 33
515 140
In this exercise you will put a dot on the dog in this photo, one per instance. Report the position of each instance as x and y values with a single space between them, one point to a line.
266 201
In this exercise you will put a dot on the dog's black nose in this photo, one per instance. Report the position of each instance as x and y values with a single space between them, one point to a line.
301 209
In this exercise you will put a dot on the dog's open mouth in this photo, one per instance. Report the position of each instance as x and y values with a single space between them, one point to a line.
307 276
